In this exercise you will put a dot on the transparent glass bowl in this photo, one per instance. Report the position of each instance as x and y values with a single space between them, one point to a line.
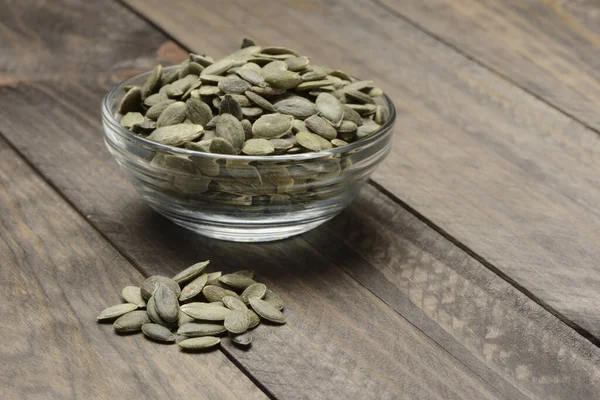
244 198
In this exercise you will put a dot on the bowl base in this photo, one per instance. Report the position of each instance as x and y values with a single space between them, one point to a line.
249 234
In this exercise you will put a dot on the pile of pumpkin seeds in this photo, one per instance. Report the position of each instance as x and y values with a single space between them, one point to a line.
194 307
257 101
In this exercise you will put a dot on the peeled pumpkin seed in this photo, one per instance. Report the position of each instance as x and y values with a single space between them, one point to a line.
158 333
298 107
174 114
156 110
132 119
237 321
330 108
198 329
133 295
193 288
242 339
312 142
131 322
151 284
237 281
274 299
176 135
131 101
166 303
272 126
221 146
214 293
321 127
267 310
198 111
260 101
152 82
233 303
253 318
230 128
257 290
205 311
116 311
199 343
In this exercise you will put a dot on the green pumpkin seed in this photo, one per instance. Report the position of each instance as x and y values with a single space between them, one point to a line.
282 145
172 115
252 74
367 128
213 277
247 43
212 124
198 111
132 119
242 339
133 295
234 303
168 78
330 108
197 329
297 106
131 101
267 310
214 293
158 333
166 304
234 85
363 109
206 311
237 321
191 272
201 59
217 68
241 99
199 343
153 313
297 63
272 126
152 82
267 91
154 99
257 290
176 135
131 322
312 142
252 112
237 281
358 97
247 125
151 284
230 106
157 109
314 76
253 318
260 101
230 128
116 311
313 85
359 85
208 90
242 172
221 146
321 127
380 115
375 92
299 126
184 318
180 86
338 142
347 126
275 50
193 288
274 299
341 75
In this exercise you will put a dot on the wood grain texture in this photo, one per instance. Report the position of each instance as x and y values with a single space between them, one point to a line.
341 340
507 175
549 47
58 273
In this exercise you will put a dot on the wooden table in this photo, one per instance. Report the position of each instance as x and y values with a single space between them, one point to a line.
468 268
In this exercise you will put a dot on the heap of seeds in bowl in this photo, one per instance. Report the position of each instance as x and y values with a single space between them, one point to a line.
257 101
194 308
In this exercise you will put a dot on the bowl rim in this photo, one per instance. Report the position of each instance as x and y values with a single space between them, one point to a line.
111 121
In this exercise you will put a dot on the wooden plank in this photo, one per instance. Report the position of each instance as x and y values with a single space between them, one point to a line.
511 178
57 274
338 332
548 47
337 349
485 322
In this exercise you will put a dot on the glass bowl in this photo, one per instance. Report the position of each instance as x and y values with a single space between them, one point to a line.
244 198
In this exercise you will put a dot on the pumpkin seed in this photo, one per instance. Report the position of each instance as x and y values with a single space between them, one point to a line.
234 303
205 311
132 119
198 111
241 99
274 299
247 43
253 318
234 85
236 321
297 63
380 115
221 146
199 343
252 73
151 284
172 115
152 82
260 101
236 281
230 128
166 303
154 99
153 313
158 332
191 272
230 106
359 97
242 339
257 290
157 109
208 90
116 311
197 329
131 101
312 142
367 128
272 126
217 68
184 318
338 142
131 322
298 107
267 310
213 277
330 108
133 295
193 288
176 135
214 293
321 127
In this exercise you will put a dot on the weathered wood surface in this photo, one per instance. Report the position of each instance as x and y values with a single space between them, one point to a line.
57 274
549 47
339 333
342 340
511 178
